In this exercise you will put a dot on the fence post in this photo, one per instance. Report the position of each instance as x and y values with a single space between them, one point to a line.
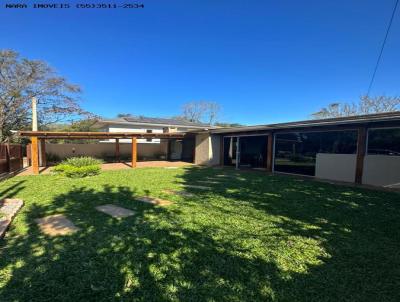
21 157
8 160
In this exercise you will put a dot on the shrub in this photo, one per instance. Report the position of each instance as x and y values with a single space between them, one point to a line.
79 167
76 172
82 161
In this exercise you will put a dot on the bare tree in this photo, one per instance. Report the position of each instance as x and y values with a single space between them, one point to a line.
366 105
20 80
201 111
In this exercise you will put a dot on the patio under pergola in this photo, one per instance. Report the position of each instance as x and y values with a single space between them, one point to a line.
40 137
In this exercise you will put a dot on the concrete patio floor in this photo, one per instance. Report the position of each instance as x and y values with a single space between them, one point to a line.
117 166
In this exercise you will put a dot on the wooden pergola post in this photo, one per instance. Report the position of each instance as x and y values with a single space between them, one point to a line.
35 155
43 152
270 151
134 152
117 157
361 149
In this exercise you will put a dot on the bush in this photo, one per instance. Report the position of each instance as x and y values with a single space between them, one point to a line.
79 167
82 161
77 172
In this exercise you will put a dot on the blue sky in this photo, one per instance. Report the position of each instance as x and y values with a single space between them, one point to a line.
263 61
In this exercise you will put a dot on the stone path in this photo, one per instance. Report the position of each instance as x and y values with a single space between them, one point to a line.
180 193
212 182
55 225
8 209
154 200
115 211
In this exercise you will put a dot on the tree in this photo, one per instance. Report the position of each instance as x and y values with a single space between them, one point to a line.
20 80
222 124
201 111
366 105
122 115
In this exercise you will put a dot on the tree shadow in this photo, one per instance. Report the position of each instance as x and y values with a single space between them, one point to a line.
151 256
353 231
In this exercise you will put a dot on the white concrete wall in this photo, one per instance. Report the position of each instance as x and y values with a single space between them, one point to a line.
339 167
207 150
140 129
382 170
106 150
122 128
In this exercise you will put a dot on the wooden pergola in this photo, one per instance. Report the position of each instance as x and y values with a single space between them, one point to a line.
37 137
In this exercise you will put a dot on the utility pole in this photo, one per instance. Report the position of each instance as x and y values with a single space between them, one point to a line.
34 139
34 115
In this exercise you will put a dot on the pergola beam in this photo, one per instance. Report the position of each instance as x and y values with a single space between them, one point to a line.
35 155
134 152
117 157
97 135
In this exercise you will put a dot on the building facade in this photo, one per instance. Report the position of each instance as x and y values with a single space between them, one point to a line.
362 149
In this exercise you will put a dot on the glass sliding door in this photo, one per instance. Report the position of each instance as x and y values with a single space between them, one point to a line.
245 151
253 151
230 148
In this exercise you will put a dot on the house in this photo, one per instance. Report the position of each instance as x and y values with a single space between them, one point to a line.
147 148
155 148
360 149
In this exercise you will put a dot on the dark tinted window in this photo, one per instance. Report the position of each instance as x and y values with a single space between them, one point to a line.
253 151
296 152
230 144
384 141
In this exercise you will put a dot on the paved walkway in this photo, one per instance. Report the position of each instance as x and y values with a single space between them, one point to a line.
118 166
8 209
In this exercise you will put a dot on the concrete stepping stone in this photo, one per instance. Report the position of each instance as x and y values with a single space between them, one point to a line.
114 211
8 209
56 225
180 193
212 182
154 200
198 187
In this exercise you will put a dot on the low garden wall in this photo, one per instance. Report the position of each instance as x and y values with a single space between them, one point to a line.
107 150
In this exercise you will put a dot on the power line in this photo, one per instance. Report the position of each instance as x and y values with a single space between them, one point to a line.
383 46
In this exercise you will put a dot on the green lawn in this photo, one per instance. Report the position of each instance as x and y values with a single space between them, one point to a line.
252 237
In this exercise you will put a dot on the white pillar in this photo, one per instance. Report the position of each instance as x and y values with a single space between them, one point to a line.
34 115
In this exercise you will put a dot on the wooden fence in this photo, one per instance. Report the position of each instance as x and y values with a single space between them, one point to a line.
11 157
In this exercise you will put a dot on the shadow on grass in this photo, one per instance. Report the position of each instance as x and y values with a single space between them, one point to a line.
250 237
355 230
150 256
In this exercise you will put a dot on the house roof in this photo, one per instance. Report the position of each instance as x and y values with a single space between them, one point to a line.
156 121
349 120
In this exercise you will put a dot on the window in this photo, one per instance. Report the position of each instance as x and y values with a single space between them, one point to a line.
384 141
149 131
296 152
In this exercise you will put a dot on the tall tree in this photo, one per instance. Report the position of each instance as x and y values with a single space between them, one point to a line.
20 80
366 105
201 111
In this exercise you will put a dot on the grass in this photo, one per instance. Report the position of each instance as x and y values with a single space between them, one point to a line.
252 237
